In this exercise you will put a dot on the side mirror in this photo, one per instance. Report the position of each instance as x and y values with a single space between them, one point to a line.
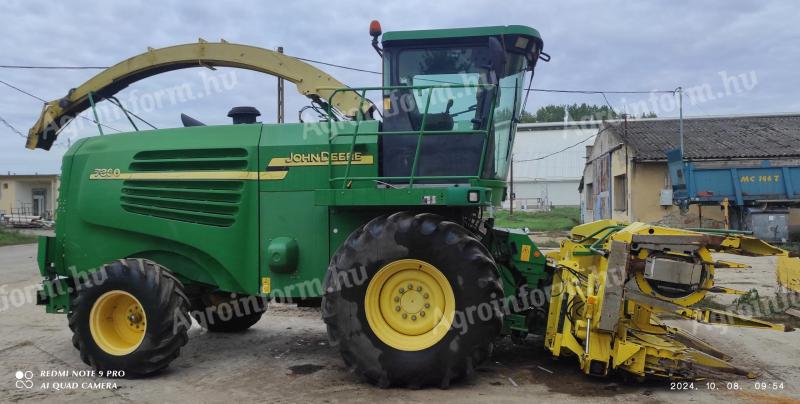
497 56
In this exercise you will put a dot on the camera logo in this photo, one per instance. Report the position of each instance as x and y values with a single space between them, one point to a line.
24 379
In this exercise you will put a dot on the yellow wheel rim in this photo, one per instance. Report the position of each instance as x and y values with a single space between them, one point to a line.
117 322
409 305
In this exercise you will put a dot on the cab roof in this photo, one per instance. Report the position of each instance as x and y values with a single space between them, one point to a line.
462 33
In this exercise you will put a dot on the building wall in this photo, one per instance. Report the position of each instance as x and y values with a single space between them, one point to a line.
8 191
533 141
17 192
648 180
631 190
556 177
606 158
559 192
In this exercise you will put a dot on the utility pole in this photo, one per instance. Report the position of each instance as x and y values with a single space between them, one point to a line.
511 198
280 93
680 119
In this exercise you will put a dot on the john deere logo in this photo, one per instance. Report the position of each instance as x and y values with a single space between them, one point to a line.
319 159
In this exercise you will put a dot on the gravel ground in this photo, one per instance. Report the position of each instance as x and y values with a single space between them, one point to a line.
285 358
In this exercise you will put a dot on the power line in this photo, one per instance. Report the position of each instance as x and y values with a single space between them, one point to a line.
106 67
335 65
10 126
127 112
53 67
608 103
43 100
23 91
552 90
562 150
542 90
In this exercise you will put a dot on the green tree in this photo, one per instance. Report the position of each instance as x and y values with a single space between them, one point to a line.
527 117
577 112
550 113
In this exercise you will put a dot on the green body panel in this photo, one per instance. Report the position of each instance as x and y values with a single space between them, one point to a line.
288 208
520 263
516 253
46 254
100 220
449 196
55 295
514 323
110 216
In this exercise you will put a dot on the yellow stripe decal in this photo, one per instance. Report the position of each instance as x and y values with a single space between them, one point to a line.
193 175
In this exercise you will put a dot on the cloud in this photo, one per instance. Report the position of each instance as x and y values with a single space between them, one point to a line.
595 45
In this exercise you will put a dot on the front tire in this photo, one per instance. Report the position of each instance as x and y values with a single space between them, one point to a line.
131 318
410 301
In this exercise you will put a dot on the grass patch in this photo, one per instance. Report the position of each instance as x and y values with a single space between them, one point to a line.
558 219
13 237
548 244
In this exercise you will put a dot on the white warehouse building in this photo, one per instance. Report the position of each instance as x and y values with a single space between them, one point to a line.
548 163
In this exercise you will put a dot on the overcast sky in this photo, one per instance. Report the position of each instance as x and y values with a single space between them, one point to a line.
741 56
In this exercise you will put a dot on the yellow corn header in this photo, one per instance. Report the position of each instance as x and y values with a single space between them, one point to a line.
614 282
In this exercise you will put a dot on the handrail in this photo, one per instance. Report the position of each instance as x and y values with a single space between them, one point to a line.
347 180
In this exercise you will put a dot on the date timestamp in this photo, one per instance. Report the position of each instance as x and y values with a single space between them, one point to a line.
709 385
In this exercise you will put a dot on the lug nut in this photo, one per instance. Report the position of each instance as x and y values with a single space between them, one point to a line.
419 288
410 286
422 314
425 295
427 305
397 308
397 298
402 290
405 315
413 318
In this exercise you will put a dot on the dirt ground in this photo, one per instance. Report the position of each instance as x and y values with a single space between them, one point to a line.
285 358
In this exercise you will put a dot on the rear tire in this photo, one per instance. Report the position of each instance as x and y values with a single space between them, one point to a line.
226 312
130 317
375 342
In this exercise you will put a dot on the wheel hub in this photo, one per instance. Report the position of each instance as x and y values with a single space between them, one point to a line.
117 322
412 302
409 304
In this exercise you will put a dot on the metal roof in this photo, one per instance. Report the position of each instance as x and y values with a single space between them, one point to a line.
711 138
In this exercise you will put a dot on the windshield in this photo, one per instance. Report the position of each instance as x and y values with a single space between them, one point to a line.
462 94
504 122
441 67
